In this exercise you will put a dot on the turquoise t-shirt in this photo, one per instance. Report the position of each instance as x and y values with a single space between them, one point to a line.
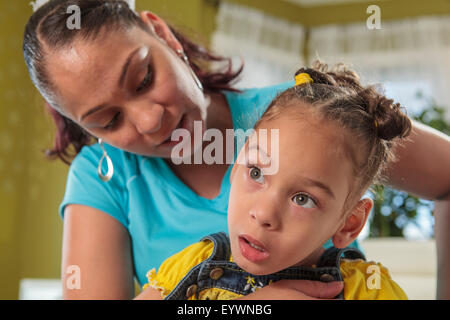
162 214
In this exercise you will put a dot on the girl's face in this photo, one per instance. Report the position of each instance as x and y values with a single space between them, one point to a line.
129 88
280 220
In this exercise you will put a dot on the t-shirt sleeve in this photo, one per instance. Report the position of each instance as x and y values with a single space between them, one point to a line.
369 281
85 187
175 268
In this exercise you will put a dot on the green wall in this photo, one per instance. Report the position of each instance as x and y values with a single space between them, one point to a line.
31 187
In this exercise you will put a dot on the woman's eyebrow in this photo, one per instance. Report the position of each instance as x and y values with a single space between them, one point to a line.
120 83
126 65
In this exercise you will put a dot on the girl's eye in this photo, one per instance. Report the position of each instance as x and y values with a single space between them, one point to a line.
144 84
112 123
304 200
256 174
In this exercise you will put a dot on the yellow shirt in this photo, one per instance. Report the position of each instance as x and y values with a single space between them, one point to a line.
362 280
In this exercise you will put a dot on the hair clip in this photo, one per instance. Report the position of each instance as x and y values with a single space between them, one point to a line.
302 78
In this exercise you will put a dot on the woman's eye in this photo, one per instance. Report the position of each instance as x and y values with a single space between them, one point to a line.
256 174
113 122
144 84
304 200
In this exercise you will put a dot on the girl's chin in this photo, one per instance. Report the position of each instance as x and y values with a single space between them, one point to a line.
247 266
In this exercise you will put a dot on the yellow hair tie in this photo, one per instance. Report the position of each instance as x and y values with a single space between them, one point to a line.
302 78
376 123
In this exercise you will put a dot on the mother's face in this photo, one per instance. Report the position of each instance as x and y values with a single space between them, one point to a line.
128 87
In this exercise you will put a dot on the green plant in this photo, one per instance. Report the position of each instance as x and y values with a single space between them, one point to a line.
394 209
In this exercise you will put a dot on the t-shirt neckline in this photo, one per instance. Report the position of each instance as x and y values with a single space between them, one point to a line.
180 187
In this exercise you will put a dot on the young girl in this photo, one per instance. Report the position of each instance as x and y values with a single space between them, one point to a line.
335 138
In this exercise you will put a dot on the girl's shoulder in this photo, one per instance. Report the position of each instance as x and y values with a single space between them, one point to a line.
175 268
369 280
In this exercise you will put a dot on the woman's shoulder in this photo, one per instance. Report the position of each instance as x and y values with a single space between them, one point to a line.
125 164
266 93
94 152
248 105
83 185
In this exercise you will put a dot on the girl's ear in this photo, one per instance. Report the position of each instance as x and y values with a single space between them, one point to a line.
161 29
353 224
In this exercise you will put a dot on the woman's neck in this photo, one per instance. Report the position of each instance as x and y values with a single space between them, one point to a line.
218 113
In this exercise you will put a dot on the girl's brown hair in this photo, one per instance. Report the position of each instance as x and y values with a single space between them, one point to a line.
47 28
375 123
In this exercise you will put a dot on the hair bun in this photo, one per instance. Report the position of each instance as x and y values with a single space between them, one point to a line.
389 120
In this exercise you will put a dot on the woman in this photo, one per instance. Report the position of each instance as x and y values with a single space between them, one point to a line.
130 81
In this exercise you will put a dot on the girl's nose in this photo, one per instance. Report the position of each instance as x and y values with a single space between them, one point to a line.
266 216
147 118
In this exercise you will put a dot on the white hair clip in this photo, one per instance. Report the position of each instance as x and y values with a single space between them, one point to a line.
36 4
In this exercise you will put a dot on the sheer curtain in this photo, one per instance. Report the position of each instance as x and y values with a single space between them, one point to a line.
407 56
270 48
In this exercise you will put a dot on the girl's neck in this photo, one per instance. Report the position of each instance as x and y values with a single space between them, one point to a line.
312 259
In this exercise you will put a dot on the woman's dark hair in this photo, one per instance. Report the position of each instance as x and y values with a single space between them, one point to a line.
374 123
47 28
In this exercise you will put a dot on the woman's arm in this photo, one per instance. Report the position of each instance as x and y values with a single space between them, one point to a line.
423 166
99 248
297 290
423 169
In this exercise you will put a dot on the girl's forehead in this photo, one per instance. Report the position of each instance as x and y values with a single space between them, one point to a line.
309 148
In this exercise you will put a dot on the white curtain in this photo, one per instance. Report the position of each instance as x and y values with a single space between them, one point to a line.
271 48
407 56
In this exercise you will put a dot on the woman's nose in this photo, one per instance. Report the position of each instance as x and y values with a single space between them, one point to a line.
266 216
146 118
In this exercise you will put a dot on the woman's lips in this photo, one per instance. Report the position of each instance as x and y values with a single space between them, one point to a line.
252 249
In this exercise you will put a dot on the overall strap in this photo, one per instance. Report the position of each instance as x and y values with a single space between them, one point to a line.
332 256
221 251
190 281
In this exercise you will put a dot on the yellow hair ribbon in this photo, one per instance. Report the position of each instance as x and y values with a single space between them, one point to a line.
302 78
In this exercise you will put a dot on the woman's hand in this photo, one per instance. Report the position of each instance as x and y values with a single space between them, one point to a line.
297 290
149 294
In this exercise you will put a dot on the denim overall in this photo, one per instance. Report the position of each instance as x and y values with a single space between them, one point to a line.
218 272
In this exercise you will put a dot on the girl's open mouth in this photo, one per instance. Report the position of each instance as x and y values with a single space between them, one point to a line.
252 249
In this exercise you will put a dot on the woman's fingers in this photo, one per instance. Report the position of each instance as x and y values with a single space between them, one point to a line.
315 289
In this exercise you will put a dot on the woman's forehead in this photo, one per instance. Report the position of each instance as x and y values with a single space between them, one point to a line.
86 70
